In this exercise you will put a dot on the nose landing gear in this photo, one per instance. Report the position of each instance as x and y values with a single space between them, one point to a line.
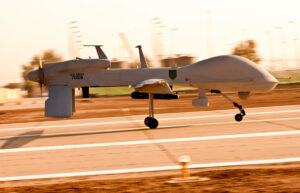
239 116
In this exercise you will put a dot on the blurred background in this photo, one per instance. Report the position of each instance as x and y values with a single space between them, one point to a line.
172 33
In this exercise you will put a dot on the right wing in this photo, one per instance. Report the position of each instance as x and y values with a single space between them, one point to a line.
158 86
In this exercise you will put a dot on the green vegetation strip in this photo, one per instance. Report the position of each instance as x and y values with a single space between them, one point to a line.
288 76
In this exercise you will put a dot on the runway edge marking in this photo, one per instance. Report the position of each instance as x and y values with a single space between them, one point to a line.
145 128
143 142
134 121
149 169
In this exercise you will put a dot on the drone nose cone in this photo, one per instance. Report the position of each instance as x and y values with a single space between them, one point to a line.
268 79
33 76
271 78
272 81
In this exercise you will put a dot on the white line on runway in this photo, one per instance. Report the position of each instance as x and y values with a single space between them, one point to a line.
142 128
134 121
143 142
149 169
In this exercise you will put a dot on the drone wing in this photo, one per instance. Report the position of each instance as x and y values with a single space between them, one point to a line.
160 86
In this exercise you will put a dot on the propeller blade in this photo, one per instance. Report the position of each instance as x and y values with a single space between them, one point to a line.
41 63
41 89
41 75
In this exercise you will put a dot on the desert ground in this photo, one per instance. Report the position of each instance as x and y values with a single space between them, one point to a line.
276 178
264 178
123 105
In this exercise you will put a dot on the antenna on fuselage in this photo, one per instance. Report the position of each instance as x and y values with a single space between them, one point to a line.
142 58
100 52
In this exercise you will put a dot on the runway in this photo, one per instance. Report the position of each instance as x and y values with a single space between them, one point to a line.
123 144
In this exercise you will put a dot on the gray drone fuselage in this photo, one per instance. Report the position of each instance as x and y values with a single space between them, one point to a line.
223 73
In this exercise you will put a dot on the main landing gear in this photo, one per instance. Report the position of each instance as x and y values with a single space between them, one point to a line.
150 121
239 116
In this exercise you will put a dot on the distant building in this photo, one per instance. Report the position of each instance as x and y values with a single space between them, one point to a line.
178 60
115 63
10 95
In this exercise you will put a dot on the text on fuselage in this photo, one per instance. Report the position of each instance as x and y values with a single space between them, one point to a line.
76 76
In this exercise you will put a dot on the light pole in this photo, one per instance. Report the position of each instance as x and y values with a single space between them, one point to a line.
270 42
295 39
171 41
209 40
280 35
157 45
75 39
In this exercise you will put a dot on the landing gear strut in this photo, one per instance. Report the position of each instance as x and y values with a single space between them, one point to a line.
239 116
150 121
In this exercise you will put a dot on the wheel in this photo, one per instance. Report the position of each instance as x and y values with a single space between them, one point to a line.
151 122
238 117
147 120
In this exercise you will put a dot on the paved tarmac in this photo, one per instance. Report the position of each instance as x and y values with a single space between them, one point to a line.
120 144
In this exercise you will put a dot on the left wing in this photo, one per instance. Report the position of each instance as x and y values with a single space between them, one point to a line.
158 86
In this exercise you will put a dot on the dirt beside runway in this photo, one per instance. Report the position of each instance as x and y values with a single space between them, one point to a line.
230 180
122 106
267 179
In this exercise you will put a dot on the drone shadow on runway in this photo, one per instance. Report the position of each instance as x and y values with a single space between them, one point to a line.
71 134
24 138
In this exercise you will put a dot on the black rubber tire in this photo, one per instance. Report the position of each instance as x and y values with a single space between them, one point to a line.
238 117
146 121
152 123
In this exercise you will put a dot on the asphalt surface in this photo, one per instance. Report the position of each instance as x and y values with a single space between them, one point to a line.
119 144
